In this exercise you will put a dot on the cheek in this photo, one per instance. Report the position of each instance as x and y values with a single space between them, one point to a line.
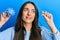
33 15
24 15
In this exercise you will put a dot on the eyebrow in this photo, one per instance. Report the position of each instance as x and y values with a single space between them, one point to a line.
27 8
33 9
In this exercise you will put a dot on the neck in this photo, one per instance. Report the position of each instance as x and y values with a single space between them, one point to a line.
28 26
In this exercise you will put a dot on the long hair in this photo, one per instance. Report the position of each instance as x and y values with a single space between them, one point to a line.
19 27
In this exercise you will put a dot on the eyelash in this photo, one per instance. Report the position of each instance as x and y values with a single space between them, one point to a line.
31 11
25 9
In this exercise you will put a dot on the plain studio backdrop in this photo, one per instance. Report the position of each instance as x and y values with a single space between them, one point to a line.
52 6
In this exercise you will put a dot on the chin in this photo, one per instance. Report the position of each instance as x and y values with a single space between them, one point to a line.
28 21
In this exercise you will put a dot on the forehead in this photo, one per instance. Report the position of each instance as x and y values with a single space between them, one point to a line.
29 5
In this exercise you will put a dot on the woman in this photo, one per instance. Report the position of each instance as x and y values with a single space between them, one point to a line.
6 32
26 27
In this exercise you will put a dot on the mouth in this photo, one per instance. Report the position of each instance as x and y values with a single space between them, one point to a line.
28 17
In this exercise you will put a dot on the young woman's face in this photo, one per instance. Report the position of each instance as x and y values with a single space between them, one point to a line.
28 13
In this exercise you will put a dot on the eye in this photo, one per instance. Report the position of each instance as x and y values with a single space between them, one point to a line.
25 9
33 11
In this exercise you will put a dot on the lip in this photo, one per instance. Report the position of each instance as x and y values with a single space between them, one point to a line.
28 17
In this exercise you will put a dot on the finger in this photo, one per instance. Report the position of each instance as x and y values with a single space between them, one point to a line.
45 13
50 15
45 16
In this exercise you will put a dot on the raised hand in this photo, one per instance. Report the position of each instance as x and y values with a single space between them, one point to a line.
48 17
49 20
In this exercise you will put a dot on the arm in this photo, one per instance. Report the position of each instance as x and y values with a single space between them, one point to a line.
48 35
49 20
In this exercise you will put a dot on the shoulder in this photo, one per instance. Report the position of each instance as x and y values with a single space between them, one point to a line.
44 29
8 34
10 29
46 34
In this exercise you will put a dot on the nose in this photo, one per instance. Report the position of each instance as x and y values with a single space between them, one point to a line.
29 13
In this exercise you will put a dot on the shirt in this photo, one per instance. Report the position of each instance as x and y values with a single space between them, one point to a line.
46 35
8 34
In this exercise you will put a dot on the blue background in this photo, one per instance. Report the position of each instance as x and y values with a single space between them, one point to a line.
52 6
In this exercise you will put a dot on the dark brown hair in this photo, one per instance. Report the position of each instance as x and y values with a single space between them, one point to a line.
19 28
